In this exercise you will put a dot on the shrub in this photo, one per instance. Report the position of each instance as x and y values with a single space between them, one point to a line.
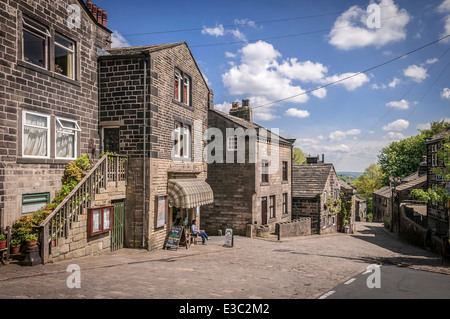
369 217
2 237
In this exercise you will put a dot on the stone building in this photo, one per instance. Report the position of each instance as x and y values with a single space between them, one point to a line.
360 208
382 207
348 203
438 218
314 188
154 105
48 97
246 194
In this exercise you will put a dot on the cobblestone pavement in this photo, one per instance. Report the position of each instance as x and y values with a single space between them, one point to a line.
302 267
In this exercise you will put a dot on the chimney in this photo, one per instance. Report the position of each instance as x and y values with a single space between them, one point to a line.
99 15
423 167
104 18
323 158
89 5
312 159
244 112
94 11
235 105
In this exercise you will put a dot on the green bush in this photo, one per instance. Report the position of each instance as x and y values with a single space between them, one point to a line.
2 237
369 217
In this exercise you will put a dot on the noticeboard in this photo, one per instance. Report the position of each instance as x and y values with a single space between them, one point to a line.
174 237
161 210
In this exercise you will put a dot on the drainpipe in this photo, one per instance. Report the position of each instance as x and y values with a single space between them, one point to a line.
146 59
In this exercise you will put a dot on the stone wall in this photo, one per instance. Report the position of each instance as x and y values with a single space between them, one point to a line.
295 228
25 86
307 207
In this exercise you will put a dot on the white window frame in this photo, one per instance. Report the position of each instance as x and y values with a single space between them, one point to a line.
45 35
24 121
73 51
182 130
232 141
180 91
187 83
75 130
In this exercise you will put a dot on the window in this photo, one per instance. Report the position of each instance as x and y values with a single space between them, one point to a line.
285 171
64 56
264 171
182 88
66 138
182 140
232 143
434 158
100 220
324 197
35 135
35 39
34 202
272 206
285 201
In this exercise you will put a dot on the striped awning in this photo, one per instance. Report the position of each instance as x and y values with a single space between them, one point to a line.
189 193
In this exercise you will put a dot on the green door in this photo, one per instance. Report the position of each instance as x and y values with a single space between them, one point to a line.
117 233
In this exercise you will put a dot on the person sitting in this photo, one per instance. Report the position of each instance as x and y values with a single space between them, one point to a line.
201 233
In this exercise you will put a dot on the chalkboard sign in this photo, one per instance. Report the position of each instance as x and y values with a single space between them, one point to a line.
176 235
229 237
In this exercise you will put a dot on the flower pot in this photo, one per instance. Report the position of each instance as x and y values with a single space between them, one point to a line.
15 249
3 244
32 243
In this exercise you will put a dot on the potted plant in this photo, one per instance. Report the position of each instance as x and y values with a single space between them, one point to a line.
2 241
31 240
15 246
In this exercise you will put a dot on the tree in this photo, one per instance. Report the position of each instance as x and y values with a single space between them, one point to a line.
402 158
297 156
368 182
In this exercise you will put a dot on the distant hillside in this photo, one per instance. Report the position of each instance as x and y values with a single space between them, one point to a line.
348 177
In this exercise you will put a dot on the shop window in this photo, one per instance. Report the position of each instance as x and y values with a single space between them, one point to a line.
34 202
66 138
64 56
35 135
35 38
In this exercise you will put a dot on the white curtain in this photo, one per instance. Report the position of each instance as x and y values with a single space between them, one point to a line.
35 136
65 143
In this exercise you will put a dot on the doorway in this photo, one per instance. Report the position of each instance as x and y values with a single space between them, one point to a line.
264 210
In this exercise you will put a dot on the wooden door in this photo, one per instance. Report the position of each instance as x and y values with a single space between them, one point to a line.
264 210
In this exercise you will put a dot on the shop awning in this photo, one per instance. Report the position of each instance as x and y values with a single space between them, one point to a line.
189 193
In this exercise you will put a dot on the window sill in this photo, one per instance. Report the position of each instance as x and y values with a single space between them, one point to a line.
191 108
182 159
47 72
284 182
30 160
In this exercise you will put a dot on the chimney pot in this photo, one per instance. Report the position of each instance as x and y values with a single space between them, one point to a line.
104 18
94 11
235 105
89 5
99 15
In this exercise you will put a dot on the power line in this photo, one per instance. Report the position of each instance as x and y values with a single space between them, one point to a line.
253 23
403 96
355 74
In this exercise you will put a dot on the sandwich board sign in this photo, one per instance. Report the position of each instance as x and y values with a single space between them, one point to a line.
229 238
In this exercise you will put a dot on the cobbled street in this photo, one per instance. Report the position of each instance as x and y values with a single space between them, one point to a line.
302 267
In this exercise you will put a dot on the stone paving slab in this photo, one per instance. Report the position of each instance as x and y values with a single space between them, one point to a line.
302 267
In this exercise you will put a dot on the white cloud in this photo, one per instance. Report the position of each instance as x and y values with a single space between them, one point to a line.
320 93
230 55
118 40
297 113
444 6
217 31
431 61
350 84
238 35
341 135
206 79
424 126
394 136
445 94
416 73
399 105
399 125
394 83
391 84
242 22
350 28
224 107
306 71
446 28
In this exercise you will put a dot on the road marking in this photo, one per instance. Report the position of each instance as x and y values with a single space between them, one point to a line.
349 281
327 294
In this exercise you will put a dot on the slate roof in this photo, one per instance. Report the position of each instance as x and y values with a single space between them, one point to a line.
345 185
412 184
145 48
359 198
439 136
384 191
246 125
309 180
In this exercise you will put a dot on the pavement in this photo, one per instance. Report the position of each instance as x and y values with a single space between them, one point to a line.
293 268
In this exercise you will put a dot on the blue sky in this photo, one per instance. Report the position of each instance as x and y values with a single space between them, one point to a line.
272 50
